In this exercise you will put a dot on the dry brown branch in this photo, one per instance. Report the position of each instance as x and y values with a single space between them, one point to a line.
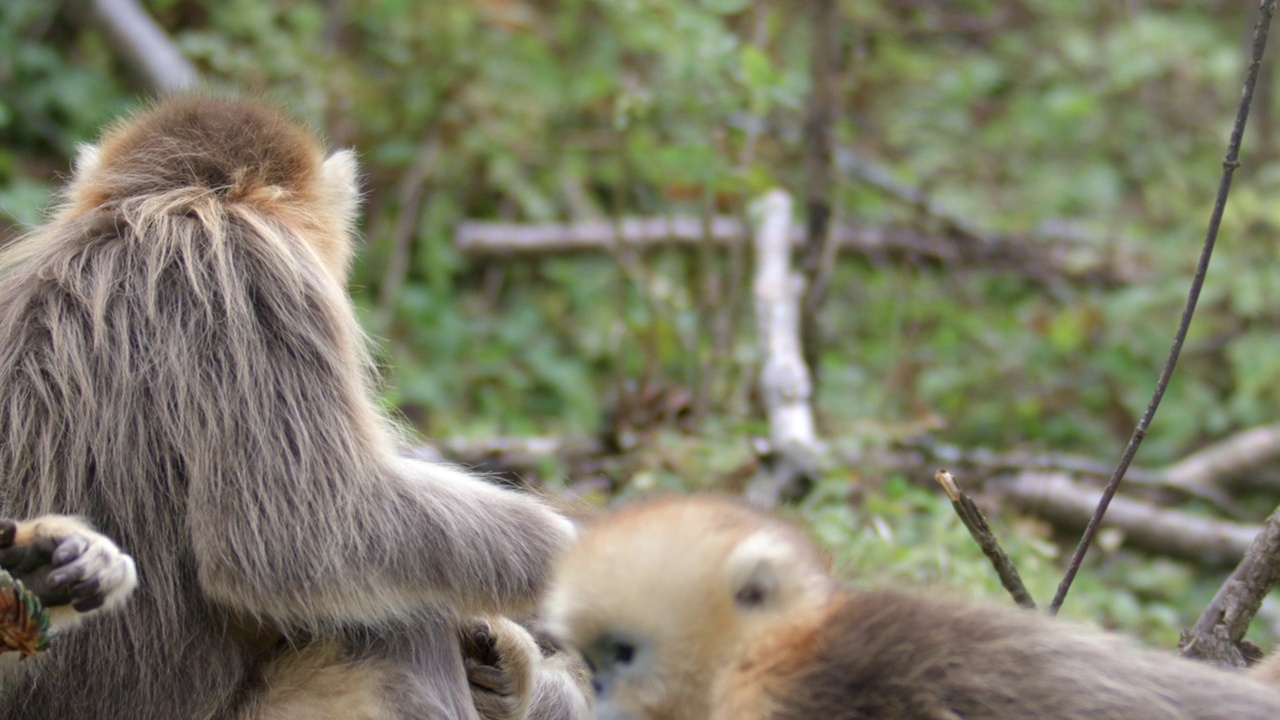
1216 636
929 211
1061 246
410 193
817 256
1065 259
982 534
784 377
143 44
1065 502
985 462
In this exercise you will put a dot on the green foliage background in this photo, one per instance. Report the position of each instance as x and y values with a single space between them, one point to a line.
1030 117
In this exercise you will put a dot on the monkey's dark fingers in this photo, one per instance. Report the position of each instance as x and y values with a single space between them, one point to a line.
50 595
11 557
480 644
54 587
8 532
489 678
26 559
66 577
87 595
69 549
65 572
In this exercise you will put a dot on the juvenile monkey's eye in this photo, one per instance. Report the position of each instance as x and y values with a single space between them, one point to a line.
610 651
750 596
624 653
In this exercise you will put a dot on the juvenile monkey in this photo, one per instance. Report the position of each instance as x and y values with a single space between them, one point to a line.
181 366
702 608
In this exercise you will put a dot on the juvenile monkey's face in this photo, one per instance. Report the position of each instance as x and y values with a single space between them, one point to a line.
658 597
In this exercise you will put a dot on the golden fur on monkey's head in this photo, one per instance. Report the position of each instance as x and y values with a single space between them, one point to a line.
658 595
198 142
191 150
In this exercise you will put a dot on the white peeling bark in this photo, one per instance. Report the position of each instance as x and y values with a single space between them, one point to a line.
784 379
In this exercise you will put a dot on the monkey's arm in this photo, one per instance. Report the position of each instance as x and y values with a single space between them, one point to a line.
73 570
419 535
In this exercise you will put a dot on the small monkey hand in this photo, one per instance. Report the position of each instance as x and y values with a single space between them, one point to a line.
65 563
499 656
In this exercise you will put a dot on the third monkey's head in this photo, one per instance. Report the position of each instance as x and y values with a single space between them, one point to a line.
658 596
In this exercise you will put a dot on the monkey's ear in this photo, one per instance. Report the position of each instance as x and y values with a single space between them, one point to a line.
340 176
759 588
754 570
88 158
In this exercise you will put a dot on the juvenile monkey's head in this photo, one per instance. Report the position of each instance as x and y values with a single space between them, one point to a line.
657 597
191 148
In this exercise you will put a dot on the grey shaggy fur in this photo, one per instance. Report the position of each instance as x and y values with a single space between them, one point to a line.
178 365
892 655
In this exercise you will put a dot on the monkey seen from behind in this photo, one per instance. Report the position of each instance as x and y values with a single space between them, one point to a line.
180 365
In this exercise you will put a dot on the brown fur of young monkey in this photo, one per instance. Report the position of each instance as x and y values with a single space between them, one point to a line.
180 365
704 608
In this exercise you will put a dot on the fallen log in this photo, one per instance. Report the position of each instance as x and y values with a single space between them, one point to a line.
1037 260
1064 502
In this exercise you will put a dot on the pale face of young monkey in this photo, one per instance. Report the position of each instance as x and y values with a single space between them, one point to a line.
658 598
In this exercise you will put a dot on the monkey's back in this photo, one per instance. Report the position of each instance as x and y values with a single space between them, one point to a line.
890 655
140 335
80 403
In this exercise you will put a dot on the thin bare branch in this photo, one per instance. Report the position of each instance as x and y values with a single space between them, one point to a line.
819 140
1229 165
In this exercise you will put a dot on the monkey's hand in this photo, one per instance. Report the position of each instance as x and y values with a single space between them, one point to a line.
500 659
73 570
